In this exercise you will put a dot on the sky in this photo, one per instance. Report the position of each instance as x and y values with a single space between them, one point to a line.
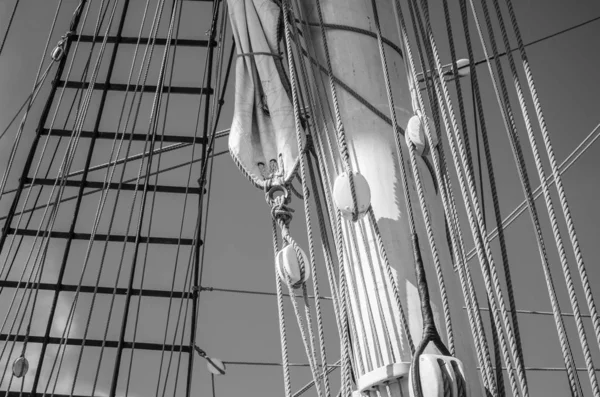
238 251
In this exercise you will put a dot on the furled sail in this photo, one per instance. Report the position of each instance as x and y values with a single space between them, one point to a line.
262 140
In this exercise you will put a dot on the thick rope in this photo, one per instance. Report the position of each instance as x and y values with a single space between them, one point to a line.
475 221
336 222
495 341
430 333
549 205
511 131
556 175
431 239
280 311
479 111
305 193
468 290
341 135
376 344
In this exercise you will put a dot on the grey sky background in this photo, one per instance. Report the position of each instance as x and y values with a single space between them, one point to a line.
243 328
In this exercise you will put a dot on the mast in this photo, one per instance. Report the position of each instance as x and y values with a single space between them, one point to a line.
381 341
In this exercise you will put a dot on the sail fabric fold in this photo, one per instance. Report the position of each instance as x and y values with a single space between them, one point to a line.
262 140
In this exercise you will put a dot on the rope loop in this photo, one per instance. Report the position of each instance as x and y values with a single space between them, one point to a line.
280 210
430 332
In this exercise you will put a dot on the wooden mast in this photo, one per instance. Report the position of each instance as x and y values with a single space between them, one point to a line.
356 62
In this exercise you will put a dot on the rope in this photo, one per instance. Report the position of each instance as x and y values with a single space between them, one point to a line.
96 223
310 384
28 260
337 230
55 152
154 117
496 343
511 130
189 287
556 175
478 110
112 218
543 313
430 333
251 54
341 260
305 195
345 388
298 103
7 31
567 163
348 28
476 225
377 349
393 284
541 39
549 203
468 290
176 261
342 144
280 311
167 169
282 215
73 24
51 126
31 98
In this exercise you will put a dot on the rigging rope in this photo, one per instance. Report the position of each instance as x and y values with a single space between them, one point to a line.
475 220
556 175
307 212
443 187
567 163
33 246
510 127
478 111
549 203
136 322
17 139
90 240
8 26
496 343
468 291
430 333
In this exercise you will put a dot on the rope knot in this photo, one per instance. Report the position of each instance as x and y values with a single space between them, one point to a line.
280 211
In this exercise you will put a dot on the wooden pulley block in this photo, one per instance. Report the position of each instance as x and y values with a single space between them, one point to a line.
441 376
342 195
20 367
289 267
215 366
415 133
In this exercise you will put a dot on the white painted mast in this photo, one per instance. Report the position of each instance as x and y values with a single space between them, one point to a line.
356 61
